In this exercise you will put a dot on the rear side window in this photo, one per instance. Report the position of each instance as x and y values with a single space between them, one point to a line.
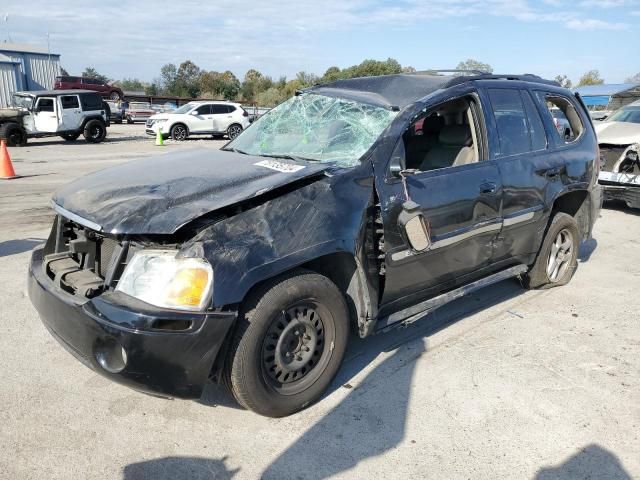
91 101
218 109
538 135
511 122
66 79
69 101
231 108
564 116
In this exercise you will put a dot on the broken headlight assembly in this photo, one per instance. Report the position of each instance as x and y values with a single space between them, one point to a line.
159 278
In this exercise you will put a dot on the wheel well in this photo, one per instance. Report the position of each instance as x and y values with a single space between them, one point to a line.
179 123
577 204
234 123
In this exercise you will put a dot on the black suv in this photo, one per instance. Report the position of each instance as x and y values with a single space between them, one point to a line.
357 205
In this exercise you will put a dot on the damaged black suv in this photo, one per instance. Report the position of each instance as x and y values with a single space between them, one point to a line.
358 205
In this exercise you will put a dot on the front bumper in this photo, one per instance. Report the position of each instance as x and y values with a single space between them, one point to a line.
621 187
166 363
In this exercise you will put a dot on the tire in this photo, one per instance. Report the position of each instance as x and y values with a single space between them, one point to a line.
70 137
563 233
114 96
95 131
234 130
13 134
179 132
288 345
119 121
129 120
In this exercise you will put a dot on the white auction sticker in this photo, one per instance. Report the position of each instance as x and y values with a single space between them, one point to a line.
280 166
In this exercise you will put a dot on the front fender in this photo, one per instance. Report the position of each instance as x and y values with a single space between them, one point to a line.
327 216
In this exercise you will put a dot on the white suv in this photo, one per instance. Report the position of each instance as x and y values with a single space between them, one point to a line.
200 118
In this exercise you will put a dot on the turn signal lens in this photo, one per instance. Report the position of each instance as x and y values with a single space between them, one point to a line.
188 287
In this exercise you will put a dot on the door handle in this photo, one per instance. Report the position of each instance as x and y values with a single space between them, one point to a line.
488 188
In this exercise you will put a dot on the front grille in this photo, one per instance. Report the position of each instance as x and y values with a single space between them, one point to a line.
81 261
149 123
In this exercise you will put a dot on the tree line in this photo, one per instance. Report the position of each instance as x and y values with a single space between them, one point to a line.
189 80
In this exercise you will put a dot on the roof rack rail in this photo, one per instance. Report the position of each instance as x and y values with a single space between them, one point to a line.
524 77
433 71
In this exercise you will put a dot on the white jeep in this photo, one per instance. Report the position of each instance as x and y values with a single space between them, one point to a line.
64 113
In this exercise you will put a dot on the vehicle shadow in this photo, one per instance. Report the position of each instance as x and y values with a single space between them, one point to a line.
592 461
217 395
586 249
620 206
172 468
13 247
372 418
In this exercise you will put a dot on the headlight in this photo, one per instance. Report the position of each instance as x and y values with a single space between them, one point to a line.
160 120
159 278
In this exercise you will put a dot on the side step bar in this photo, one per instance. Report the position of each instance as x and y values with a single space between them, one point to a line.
416 312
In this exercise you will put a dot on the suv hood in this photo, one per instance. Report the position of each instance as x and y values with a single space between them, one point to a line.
158 195
12 113
617 133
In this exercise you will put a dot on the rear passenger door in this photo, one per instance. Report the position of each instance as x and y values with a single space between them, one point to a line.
221 117
71 112
520 147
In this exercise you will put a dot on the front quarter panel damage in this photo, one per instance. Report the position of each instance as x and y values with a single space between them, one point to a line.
322 218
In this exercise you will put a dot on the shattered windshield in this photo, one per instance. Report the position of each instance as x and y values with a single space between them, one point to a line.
22 101
315 127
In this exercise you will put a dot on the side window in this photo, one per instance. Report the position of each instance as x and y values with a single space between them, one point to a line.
511 122
538 135
564 116
69 101
46 105
231 109
219 109
204 110
91 102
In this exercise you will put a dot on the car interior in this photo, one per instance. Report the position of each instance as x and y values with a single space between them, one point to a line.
444 137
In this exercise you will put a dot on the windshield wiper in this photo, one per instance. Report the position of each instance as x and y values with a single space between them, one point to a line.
287 157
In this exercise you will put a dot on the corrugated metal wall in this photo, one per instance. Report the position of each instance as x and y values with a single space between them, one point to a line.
8 82
41 71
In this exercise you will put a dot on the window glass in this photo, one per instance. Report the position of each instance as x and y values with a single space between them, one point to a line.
564 116
46 105
69 101
231 109
91 101
218 109
204 110
511 121
538 135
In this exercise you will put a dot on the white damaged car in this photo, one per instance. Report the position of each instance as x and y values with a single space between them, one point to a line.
619 141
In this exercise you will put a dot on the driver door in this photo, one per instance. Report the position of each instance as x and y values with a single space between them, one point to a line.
46 115
201 120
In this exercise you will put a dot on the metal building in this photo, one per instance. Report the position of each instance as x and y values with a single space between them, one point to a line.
610 96
25 67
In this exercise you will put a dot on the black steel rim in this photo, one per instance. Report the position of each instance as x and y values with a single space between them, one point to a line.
96 132
294 350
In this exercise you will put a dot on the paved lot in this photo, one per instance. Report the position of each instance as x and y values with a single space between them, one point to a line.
503 384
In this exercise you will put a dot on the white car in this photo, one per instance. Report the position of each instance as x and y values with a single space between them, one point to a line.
200 118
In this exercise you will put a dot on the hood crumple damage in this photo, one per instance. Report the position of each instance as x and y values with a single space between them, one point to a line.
159 195
617 133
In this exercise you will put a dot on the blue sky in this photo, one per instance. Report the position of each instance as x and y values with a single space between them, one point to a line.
135 38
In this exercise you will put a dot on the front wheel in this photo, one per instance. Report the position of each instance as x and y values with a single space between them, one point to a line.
13 134
233 131
95 131
179 132
558 257
288 345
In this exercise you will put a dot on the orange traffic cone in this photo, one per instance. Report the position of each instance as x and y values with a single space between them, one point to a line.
6 169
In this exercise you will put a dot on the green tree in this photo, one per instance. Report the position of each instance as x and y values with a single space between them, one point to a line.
215 84
270 97
91 72
472 64
408 69
306 79
131 84
592 77
63 71
563 80
188 79
332 74
168 74
152 89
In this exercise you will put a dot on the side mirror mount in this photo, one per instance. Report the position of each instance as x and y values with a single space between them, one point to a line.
398 165
414 227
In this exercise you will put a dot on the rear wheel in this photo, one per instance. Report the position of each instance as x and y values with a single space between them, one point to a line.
558 257
233 131
13 134
179 132
70 137
95 131
288 345
114 96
